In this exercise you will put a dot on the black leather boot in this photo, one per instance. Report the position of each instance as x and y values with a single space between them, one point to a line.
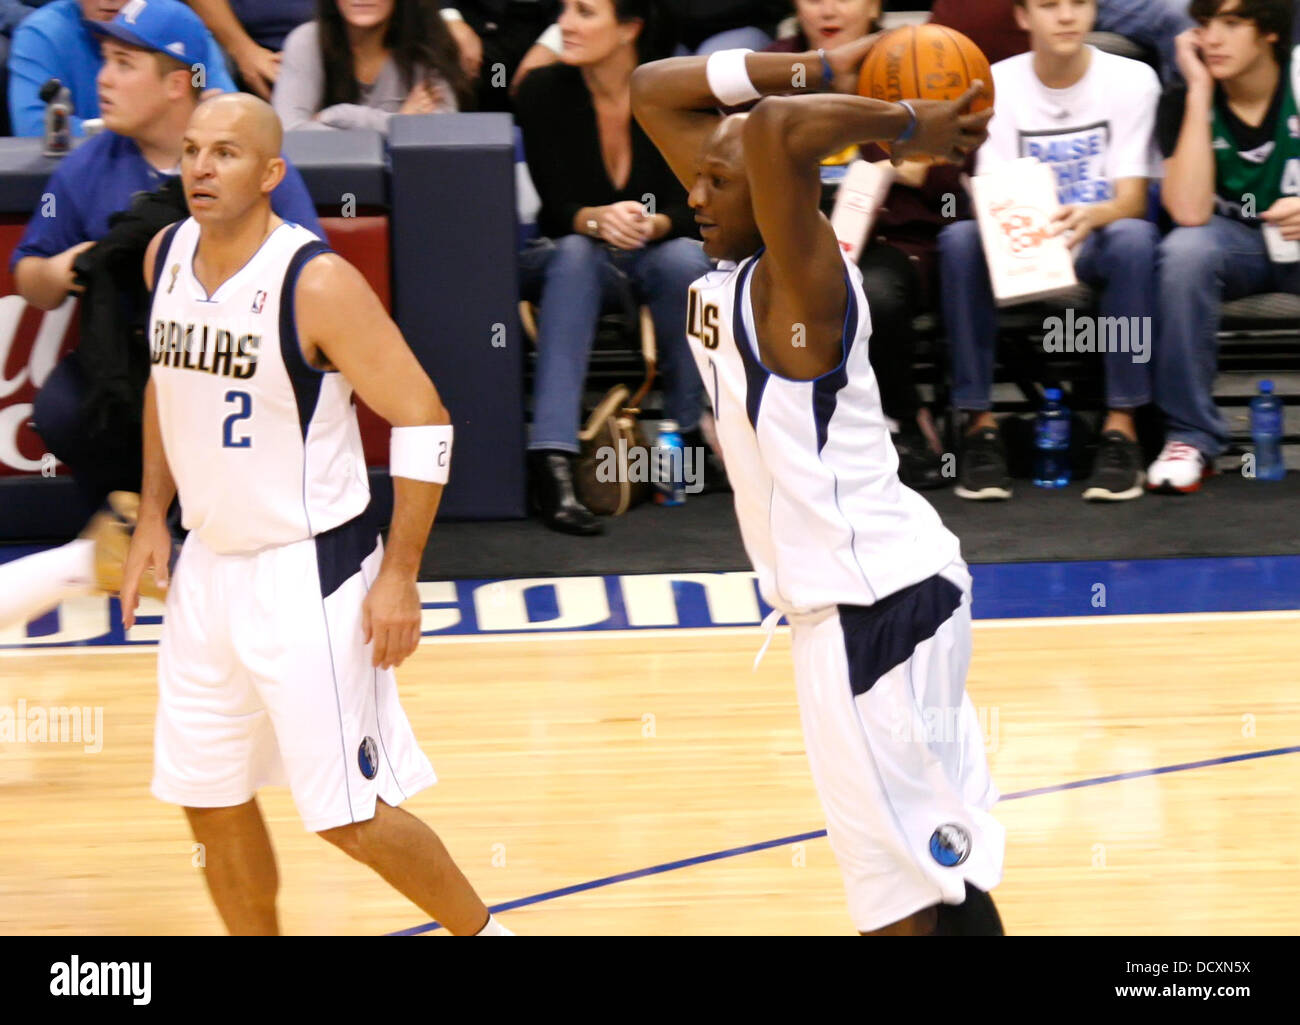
552 496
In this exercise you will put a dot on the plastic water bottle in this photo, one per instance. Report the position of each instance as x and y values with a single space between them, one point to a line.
58 111
1266 430
1052 443
669 465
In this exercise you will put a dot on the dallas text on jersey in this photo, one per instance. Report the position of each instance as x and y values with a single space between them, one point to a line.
187 346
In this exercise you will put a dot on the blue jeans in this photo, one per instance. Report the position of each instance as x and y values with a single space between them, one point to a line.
1120 259
1152 23
1199 269
570 279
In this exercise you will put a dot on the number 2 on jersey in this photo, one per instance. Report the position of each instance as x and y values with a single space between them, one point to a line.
245 403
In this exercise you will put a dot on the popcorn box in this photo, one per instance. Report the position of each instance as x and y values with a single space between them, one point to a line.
1014 206
858 202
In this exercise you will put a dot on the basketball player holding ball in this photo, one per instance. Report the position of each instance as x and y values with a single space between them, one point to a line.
873 585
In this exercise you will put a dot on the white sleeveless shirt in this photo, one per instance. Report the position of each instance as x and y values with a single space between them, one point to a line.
823 515
265 449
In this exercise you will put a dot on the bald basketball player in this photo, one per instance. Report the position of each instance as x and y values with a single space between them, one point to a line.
873 584
285 613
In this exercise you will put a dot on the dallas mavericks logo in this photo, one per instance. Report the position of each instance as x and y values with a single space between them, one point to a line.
370 764
950 844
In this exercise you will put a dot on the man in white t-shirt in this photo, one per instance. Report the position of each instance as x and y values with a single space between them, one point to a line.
1089 115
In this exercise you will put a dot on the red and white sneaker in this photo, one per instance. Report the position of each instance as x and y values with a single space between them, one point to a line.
1179 469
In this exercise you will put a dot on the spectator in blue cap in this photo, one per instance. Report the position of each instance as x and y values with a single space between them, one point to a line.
60 41
147 92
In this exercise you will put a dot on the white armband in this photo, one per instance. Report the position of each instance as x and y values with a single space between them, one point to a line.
729 79
420 453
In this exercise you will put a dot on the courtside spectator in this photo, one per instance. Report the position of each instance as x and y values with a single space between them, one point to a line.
899 261
694 26
498 38
148 97
1231 136
356 66
58 41
252 32
612 213
12 12
1090 116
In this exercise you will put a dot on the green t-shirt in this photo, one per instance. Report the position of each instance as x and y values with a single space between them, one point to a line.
1255 166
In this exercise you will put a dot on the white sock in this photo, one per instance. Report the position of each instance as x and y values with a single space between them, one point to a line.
493 928
34 584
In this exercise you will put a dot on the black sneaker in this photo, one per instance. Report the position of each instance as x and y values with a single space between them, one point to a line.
1117 475
983 474
919 465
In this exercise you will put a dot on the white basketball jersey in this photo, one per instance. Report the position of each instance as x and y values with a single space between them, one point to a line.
823 515
264 448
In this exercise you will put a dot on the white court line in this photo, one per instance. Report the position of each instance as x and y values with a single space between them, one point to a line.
721 631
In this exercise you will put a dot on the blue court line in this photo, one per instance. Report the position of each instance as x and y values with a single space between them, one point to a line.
732 852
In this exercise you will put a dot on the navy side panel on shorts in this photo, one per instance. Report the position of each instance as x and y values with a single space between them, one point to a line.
881 636
341 551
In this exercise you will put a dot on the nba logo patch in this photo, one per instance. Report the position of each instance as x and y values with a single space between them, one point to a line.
176 269
950 845
369 763
259 300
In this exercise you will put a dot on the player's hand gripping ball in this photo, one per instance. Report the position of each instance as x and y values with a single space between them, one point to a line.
925 62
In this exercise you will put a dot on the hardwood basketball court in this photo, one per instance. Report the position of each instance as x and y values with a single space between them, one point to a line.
571 758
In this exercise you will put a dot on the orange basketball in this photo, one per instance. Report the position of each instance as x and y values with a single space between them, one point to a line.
924 62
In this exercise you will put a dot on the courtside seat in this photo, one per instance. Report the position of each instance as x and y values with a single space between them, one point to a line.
1272 310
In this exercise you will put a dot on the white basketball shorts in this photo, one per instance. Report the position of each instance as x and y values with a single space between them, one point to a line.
264 678
896 749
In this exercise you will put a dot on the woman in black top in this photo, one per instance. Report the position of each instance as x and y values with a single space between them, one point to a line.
612 212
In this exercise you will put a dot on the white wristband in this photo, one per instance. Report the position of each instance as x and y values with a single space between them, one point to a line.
420 453
729 79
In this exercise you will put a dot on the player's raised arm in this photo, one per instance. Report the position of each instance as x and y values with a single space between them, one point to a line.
785 140
341 321
675 102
